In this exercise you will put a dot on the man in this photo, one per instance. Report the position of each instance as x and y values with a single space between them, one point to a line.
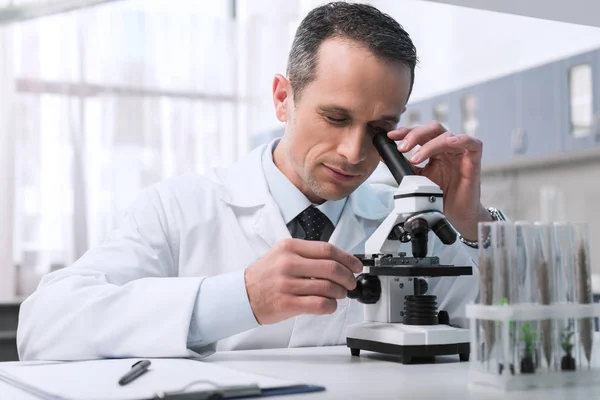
260 254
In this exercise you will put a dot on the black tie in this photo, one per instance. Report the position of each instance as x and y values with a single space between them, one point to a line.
314 222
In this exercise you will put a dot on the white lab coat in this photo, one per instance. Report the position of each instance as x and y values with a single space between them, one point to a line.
133 296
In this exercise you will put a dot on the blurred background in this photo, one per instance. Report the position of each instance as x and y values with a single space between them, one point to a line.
102 98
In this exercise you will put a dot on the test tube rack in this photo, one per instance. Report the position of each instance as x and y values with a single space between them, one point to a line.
533 323
518 359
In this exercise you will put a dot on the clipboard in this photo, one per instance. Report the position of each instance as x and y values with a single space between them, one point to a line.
166 379
242 392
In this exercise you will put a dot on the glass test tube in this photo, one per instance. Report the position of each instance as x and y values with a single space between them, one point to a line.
547 270
498 286
527 346
583 291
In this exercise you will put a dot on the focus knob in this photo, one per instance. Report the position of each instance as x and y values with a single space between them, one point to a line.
367 290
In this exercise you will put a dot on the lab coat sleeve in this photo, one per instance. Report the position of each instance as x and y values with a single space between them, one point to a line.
222 309
121 299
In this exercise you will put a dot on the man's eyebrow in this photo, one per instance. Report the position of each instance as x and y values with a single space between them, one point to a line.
337 109
390 118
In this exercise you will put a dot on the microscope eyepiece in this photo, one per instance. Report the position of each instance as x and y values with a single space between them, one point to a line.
395 161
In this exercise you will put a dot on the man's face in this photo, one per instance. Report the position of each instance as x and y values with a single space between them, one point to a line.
327 149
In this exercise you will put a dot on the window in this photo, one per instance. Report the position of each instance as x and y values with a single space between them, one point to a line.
580 100
413 119
440 114
104 103
469 119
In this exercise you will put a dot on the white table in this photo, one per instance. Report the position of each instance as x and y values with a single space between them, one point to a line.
370 376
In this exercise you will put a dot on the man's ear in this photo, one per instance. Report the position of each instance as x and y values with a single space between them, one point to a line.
282 96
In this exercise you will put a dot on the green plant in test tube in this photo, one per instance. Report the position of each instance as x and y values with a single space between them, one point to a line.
529 338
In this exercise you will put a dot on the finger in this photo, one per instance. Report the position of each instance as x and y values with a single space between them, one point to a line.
473 146
421 135
326 251
317 287
466 142
313 305
434 147
399 133
329 270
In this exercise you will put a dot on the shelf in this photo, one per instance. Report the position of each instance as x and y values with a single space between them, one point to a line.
541 162
28 11
582 12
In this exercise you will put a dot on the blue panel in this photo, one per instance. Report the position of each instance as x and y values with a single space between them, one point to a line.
570 142
539 116
426 110
423 108
454 113
496 116
446 101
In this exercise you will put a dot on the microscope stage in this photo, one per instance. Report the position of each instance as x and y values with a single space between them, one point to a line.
409 341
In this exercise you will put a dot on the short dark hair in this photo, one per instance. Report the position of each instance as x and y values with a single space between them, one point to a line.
362 23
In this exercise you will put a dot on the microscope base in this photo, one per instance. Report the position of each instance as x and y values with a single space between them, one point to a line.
413 343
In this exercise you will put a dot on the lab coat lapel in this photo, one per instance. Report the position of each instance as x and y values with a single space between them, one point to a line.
363 212
348 233
247 189
269 223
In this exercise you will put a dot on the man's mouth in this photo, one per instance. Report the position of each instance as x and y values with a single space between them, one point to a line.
340 174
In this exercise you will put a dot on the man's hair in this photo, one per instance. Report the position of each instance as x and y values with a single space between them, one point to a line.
365 24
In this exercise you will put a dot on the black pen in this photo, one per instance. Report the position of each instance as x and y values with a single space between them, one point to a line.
136 370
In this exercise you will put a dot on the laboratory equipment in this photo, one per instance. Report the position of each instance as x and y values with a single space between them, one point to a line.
533 324
399 316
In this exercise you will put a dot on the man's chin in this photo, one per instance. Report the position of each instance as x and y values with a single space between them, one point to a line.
332 192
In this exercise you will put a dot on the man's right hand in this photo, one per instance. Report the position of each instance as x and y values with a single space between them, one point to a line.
299 277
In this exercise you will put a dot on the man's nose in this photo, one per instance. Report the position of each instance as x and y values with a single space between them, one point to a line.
353 146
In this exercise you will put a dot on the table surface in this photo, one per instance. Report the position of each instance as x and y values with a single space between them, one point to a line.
371 375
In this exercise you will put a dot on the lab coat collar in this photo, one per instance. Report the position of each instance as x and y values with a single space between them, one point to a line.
244 183
245 186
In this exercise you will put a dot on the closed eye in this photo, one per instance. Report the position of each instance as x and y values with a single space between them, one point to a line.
336 120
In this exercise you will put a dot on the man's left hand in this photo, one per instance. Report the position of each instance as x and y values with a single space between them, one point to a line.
454 165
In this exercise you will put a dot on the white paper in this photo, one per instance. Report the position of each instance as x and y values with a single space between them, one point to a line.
98 380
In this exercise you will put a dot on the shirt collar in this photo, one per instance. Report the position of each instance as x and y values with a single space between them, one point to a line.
289 198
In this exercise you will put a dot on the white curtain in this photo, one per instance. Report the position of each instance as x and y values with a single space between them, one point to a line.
99 103
7 174
108 101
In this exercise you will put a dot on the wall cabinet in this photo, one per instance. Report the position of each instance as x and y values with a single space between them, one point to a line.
540 111
495 113
579 92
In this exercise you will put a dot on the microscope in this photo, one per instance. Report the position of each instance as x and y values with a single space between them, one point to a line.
400 318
